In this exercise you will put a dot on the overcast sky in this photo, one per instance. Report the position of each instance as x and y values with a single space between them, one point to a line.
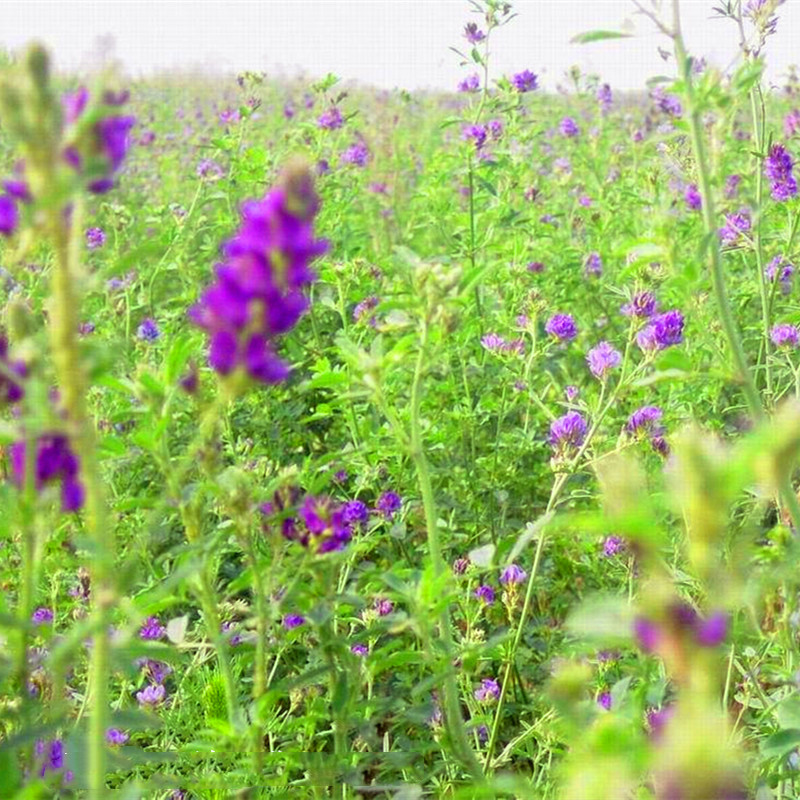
384 42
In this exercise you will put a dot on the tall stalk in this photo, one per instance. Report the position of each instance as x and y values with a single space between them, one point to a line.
454 720
724 310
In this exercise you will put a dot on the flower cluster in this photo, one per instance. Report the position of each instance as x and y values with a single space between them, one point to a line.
603 358
642 304
562 327
645 422
736 224
524 81
692 197
681 619
568 128
567 433
54 462
785 336
781 270
470 84
96 150
11 390
473 34
258 293
778 170
497 344
663 330
330 119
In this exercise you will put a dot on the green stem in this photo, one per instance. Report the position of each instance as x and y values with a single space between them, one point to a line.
715 259
454 720
74 388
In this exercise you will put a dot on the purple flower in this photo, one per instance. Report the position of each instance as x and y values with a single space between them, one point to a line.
330 119
593 266
642 304
778 169
473 34
95 237
114 736
208 168
148 330
524 81
535 267
568 432
613 545
325 525
389 503
493 342
229 115
781 269
383 606
646 633
495 127
18 189
513 575
360 650
460 566
154 671
604 700
151 696
663 331
152 629
732 186
55 461
112 141
355 512
474 133
231 630
485 593
470 84
50 757
258 293
604 97
711 631
692 197
357 154
74 103
568 127
603 358
488 691
11 391
42 616
657 721
668 103
644 420
735 225
571 392
562 165
784 335
562 327
291 621
9 215
362 311
791 123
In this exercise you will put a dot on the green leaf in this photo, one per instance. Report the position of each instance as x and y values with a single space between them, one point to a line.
780 743
598 36
789 712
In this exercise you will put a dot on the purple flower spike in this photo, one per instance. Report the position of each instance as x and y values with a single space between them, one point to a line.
473 34
562 327
485 593
593 267
488 691
95 237
148 330
778 170
331 119
568 432
114 736
360 650
785 336
152 630
642 304
712 631
568 127
604 700
389 503
646 633
42 616
259 289
470 84
613 545
692 197
602 359
151 696
513 574
9 215
524 81
291 621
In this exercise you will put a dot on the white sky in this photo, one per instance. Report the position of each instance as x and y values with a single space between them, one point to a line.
383 42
